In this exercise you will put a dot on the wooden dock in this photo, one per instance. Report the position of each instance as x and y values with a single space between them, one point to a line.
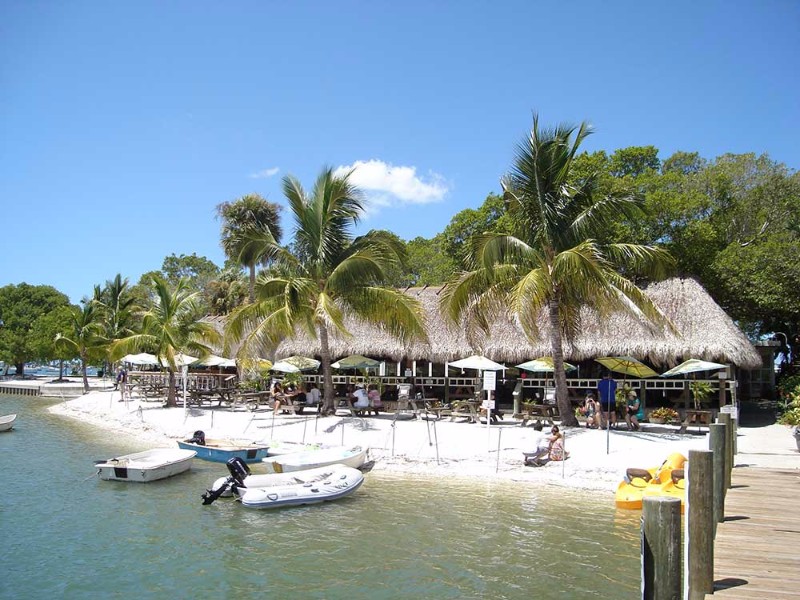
757 547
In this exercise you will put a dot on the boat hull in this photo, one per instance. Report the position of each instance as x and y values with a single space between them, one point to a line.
143 467
353 456
308 487
657 481
222 450
7 422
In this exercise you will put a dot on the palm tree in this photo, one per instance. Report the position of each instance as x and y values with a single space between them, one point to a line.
326 275
118 307
244 224
86 338
170 326
552 261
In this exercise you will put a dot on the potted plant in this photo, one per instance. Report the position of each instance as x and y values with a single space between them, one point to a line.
663 415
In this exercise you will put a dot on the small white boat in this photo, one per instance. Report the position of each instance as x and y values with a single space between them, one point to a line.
306 487
351 456
7 422
146 466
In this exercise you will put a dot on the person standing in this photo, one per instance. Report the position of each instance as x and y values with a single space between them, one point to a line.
607 391
122 379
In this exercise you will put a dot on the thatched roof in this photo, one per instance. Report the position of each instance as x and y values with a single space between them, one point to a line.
703 331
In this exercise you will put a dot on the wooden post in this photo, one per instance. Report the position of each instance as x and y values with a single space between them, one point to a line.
725 419
717 446
735 430
699 532
661 548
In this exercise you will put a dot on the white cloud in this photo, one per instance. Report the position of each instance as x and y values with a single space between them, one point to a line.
385 184
263 174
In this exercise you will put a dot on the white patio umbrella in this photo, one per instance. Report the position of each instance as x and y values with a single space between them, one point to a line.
476 361
356 361
544 365
693 365
212 360
295 364
181 360
143 358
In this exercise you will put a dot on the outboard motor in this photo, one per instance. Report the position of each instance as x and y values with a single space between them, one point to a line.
198 438
238 470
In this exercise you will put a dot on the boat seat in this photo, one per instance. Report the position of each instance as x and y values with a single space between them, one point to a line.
677 476
640 473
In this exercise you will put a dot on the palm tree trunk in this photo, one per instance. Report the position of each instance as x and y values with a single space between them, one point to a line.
252 283
171 390
328 395
85 378
559 373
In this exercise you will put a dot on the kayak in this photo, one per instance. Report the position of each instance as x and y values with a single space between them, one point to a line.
665 480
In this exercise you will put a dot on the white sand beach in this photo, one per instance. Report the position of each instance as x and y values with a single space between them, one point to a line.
439 448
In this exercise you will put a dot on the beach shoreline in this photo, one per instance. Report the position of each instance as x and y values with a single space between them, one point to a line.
597 460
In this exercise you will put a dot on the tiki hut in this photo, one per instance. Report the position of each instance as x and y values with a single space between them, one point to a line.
701 330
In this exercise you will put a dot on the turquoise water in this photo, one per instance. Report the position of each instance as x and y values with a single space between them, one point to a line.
68 535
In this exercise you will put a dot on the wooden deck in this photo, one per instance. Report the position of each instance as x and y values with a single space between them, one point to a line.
757 548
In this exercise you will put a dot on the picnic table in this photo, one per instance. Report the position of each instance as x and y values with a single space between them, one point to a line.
437 409
538 412
696 417
465 408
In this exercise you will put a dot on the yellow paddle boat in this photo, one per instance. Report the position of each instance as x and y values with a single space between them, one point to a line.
664 480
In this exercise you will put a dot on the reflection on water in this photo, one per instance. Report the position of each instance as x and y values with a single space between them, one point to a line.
73 536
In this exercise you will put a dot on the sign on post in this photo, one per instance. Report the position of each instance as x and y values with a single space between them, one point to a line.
489 380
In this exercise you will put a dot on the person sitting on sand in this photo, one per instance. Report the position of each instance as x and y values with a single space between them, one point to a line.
591 411
633 411
540 447
556 444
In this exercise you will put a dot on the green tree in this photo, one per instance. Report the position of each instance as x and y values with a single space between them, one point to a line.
43 335
249 225
226 292
86 336
20 306
326 275
470 222
428 261
552 261
197 270
169 326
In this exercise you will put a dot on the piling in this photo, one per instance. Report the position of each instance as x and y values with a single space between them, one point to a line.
699 533
661 548
725 419
716 442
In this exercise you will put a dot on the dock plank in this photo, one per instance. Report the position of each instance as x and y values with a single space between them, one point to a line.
756 548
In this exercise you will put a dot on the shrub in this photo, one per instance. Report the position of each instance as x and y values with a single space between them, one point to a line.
791 415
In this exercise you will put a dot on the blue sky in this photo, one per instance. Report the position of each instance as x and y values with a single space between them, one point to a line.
124 124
